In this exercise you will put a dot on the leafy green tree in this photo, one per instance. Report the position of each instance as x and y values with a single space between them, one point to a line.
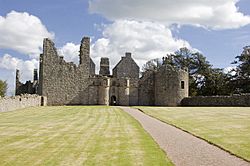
203 79
3 88
197 66
241 79
151 65
215 82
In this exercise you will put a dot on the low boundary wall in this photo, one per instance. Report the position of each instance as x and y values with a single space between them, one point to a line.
23 101
235 100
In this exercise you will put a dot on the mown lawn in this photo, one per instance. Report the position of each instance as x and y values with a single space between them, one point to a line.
75 135
228 128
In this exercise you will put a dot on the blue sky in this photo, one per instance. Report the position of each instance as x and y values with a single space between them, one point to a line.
217 28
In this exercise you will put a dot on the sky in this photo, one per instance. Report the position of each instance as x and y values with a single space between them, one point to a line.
219 29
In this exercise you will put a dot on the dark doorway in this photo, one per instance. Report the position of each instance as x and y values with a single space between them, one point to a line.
42 101
113 100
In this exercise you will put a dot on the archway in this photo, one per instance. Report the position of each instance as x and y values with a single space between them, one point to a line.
113 100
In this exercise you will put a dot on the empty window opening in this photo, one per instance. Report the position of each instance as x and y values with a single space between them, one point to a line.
182 84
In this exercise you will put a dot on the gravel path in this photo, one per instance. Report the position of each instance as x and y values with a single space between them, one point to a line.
183 148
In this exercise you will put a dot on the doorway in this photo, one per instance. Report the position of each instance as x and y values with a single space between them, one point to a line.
113 100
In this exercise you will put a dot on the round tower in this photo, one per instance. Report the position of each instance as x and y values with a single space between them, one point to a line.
171 85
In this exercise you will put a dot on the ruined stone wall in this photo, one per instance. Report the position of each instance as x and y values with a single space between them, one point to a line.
23 101
27 88
147 89
169 90
236 100
62 82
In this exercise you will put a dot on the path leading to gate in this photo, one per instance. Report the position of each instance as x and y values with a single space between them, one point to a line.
182 148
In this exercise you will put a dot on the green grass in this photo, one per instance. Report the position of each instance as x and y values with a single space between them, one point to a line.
75 135
229 128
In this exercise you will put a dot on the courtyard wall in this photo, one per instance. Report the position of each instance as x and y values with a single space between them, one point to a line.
23 101
235 100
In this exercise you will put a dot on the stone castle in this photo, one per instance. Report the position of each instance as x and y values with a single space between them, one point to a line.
66 83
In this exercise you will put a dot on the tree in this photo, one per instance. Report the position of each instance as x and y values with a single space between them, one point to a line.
241 80
196 64
215 82
151 65
3 88
203 79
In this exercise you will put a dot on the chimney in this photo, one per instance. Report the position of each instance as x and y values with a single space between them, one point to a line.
128 55
104 67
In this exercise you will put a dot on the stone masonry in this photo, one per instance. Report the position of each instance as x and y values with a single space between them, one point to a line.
66 83
23 101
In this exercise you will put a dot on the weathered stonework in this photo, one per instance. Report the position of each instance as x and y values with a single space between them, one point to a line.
166 86
104 67
29 87
66 83
23 101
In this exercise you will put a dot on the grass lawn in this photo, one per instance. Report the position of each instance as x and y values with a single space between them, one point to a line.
228 128
75 135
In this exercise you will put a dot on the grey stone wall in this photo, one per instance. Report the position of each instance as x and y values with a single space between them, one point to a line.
126 68
64 83
236 100
23 101
147 89
27 88
168 88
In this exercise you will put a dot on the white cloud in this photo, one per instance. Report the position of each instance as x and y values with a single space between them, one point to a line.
10 64
23 32
145 40
26 67
70 51
214 14
230 70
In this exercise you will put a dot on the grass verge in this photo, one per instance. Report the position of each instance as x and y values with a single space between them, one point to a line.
75 135
226 127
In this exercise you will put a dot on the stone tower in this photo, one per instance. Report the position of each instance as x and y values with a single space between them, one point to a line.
104 67
171 85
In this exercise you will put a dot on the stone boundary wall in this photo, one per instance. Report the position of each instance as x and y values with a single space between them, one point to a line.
23 101
235 100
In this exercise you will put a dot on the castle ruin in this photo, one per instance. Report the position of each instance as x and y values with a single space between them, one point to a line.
65 83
